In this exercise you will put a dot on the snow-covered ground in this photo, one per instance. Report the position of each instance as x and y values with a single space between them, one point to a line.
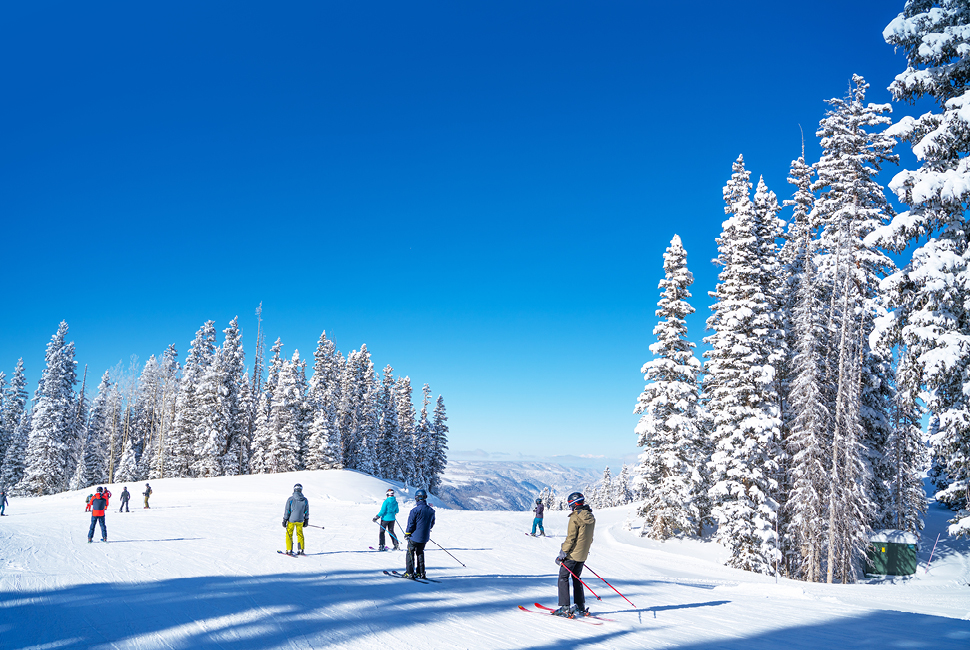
200 570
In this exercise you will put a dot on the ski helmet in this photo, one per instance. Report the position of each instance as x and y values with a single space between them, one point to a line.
421 495
539 500
297 487
390 492
576 499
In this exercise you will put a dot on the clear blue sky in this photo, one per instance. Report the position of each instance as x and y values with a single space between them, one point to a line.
479 191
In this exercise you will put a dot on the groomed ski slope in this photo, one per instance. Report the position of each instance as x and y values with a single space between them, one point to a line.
200 570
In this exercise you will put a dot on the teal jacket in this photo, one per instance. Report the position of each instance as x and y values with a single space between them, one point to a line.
388 509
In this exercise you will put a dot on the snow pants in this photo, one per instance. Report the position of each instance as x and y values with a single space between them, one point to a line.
146 502
124 506
537 522
415 559
298 527
94 522
579 596
389 526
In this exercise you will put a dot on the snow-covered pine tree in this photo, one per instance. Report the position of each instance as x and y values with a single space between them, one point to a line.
369 427
287 413
439 457
188 418
906 453
670 475
12 470
14 403
211 438
387 439
53 428
166 391
351 393
423 442
930 294
320 453
266 427
234 455
741 386
406 423
624 494
91 469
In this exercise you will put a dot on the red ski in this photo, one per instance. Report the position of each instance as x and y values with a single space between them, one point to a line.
582 620
550 609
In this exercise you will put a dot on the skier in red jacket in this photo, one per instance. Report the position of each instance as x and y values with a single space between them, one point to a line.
98 505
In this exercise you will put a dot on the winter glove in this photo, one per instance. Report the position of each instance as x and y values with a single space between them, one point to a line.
306 522
560 557
407 536
284 523
375 520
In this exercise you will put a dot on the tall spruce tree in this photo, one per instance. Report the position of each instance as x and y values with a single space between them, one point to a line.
406 424
266 427
14 403
741 384
930 294
53 428
439 455
188 414
671 470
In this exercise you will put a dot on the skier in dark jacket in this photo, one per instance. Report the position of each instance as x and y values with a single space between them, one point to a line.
125 496
418 533
572 556
147 493
537 521
98 505
3 501
296 515
387 516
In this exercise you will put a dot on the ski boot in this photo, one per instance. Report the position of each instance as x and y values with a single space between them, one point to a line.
422 576
564 611
579 613
408 576
381 547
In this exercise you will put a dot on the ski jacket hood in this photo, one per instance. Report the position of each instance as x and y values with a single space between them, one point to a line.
389 509
297 508
420 522
579 534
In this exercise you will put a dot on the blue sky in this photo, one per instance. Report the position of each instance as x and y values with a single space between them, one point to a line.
480 192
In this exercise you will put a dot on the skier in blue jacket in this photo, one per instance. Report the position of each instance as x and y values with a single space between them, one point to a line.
418 533
387 516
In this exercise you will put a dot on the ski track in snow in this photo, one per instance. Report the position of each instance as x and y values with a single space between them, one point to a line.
200 570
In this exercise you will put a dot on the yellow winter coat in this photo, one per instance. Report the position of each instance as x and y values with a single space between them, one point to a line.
579 534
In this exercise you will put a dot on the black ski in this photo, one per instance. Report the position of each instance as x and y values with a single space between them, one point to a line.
428 579
395 574
285 553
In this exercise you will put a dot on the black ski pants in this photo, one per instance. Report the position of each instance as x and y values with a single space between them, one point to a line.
579 596
124 506
415 560
389 526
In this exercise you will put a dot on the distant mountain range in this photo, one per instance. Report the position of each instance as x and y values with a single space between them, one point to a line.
506 485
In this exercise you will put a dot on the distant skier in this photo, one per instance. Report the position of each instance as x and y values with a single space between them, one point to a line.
296 515
87 503
147 493
387 517
99 503
3 501
418 533
125 496
575 550
537 520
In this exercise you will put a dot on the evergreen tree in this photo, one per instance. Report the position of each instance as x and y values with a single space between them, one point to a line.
92 468
188 417
930 294
12 470
623 493
406 423
387 441
234 453
670 474
439 457
53 427
741 384
266 427
14 403
287 419
423 442
320 453
211 439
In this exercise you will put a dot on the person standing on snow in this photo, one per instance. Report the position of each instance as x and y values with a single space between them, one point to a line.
99 503
125 495
572 556
87 503
418 533
147 493
3 501
537 521
296 515
386 517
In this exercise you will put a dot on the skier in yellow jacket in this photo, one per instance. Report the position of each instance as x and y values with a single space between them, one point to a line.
575 550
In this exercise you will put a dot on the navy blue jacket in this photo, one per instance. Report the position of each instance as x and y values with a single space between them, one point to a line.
420 522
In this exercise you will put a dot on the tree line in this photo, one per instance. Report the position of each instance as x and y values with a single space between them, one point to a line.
210 417
801 431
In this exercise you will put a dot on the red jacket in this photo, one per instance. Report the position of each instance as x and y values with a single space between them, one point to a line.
99 502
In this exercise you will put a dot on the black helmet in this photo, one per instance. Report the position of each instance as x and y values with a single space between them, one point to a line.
576 499
421 495
298 487
539 500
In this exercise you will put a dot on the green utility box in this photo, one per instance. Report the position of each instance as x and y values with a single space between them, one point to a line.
892 553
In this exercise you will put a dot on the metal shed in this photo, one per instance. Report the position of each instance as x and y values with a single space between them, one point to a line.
892 553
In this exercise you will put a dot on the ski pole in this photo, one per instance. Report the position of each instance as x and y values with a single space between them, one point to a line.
312 526
931 554
563 565
610 586
446 551
388 530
